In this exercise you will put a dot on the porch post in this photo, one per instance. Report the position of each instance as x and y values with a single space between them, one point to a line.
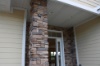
38 48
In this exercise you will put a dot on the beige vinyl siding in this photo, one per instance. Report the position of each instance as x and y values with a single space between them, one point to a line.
11 31
88 42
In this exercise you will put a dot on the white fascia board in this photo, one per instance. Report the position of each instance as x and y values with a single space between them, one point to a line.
80 6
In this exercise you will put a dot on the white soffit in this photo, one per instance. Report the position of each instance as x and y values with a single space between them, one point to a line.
89 5
5 5
64 15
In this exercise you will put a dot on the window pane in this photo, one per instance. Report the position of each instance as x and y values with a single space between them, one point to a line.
52 54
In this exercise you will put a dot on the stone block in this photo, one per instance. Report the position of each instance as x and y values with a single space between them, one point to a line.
44 56
45 17
33 50
36 17
46 46
33 59
35 24
36 65
36 45
38 61
43 61
42 52
35 14
42 49
37 36
39 21
40 12
36 56
42 45
41 25
32 62
46 36
33 39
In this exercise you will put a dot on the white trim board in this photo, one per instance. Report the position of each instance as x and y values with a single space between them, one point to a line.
24 39
77 57
55 31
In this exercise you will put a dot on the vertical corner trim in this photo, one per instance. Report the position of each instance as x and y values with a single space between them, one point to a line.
77 57
24 38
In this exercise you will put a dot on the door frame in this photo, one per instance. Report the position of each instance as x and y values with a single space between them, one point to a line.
61 45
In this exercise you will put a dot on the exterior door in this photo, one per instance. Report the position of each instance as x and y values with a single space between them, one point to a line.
59 52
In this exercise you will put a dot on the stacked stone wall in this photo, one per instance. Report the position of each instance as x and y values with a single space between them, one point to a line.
38 34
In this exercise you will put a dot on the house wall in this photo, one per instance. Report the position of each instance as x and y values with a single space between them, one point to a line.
88 41
69 44
11 29
37 44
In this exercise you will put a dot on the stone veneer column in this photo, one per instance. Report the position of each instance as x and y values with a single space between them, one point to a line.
38 48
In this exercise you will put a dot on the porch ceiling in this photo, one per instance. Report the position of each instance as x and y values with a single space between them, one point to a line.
59 14
64 15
